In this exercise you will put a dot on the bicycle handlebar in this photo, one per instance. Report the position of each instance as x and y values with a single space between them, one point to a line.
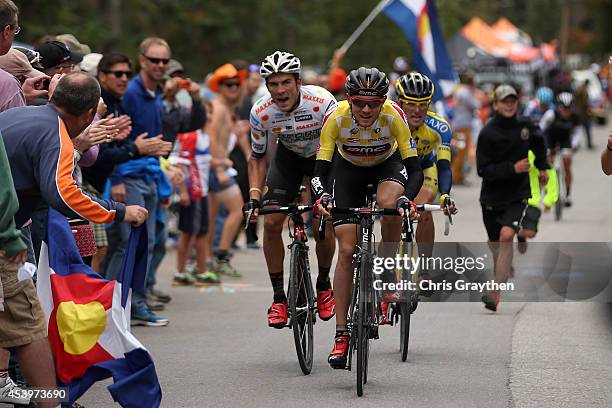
381 211
288 209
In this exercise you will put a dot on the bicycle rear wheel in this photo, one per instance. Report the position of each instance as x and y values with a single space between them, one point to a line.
301 307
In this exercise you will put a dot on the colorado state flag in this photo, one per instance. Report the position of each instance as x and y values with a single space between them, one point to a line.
419 21
88 319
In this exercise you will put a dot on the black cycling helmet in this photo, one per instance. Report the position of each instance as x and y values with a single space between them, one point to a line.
414 87
565 99
366 82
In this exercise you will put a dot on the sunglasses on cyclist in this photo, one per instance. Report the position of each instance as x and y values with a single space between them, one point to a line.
414 104
157 61
372 103
119 74
233 84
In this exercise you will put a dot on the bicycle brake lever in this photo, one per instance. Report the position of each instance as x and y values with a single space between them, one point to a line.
249 214
322 222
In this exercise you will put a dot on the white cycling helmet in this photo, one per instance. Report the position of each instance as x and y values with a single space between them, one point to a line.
280 62
565 99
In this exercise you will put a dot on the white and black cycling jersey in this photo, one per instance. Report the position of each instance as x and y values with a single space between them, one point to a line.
298 130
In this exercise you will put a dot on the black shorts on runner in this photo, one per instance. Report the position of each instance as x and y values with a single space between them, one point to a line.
349 182
286 174
531 218
562 141
193 219
510 215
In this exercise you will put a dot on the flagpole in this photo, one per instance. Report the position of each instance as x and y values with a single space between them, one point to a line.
364 24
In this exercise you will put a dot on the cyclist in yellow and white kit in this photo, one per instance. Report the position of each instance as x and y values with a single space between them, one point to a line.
373 145
433 136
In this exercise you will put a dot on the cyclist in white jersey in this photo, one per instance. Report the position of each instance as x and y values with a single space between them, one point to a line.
293 113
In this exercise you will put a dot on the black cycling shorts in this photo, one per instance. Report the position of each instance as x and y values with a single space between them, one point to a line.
510 215
285 176
349 182
562 141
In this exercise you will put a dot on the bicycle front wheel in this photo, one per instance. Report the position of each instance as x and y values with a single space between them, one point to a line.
301 307
365 319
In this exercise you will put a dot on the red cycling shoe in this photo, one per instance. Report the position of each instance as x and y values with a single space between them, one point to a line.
337 357
384 311
326 304
277 315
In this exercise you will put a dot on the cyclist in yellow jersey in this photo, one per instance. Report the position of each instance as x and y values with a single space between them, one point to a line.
433 136
373 145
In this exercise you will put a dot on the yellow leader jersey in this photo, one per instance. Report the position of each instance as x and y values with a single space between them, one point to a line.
366 147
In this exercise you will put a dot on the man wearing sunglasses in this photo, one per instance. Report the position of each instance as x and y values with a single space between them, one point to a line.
293 114
141 179
374 146
433 136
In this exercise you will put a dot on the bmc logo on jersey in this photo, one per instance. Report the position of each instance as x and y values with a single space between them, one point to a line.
366 150
303 118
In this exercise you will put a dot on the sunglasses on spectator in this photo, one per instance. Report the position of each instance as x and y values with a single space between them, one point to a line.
119 74
157 61
372 103
233 84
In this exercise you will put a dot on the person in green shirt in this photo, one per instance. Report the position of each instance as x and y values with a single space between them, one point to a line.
22 324
529 222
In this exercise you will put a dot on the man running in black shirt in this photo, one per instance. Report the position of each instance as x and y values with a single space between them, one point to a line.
501 158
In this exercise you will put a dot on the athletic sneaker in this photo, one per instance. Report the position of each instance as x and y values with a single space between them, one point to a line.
491 300
253 245
207 278
183 278
568 201
11 393
225 268
326 305
337 357
384 312
277 315
142 316
154 305
161 296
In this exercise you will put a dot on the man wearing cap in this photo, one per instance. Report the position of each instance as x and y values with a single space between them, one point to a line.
57 58
177 118
502 162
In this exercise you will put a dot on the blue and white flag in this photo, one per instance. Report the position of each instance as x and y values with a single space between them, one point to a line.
418 19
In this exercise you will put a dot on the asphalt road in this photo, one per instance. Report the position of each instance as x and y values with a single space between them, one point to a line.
218 351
